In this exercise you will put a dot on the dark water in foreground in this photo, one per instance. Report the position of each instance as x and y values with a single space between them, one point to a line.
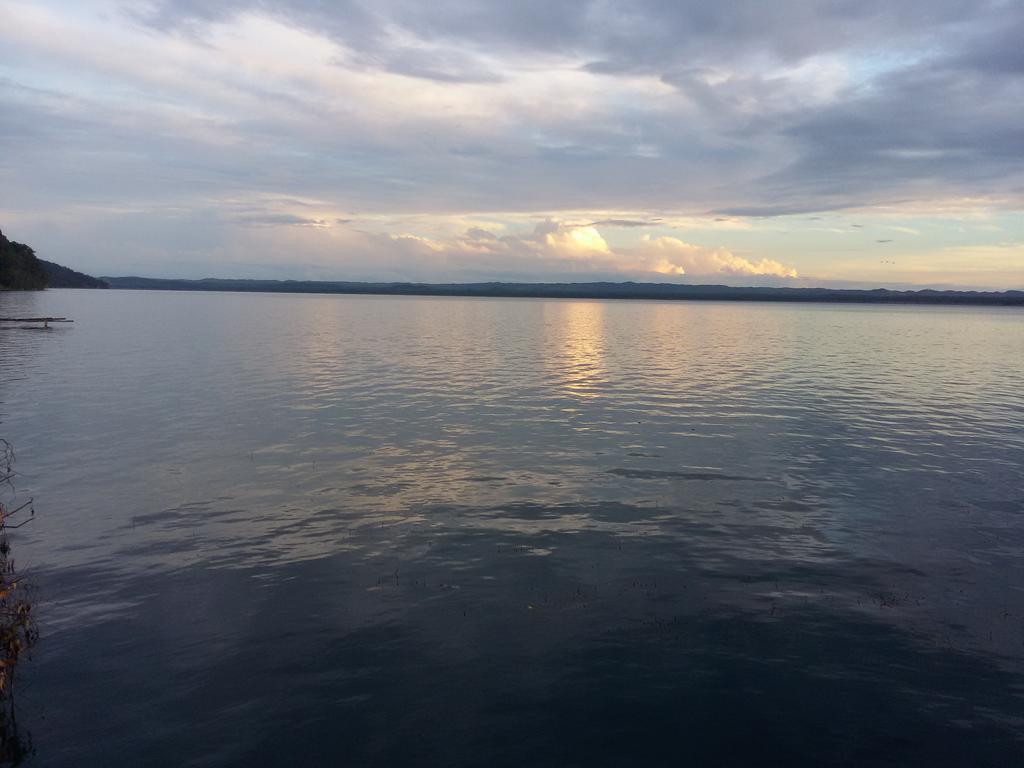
278 529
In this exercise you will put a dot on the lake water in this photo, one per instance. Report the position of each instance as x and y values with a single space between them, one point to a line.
327 530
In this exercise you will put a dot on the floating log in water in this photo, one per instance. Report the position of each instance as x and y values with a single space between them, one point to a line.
44 320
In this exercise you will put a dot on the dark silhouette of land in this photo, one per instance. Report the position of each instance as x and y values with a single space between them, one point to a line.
597 290
22 270
58 276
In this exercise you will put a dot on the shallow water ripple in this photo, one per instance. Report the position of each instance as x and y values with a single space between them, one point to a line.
456 531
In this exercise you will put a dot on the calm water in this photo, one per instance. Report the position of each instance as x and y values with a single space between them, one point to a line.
335 530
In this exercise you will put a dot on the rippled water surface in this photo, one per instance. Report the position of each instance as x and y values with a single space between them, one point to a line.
285 529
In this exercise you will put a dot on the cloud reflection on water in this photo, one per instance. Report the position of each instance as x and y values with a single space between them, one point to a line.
628 528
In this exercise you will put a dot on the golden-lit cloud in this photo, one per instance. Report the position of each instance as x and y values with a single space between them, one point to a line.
671 256
575 241
554 247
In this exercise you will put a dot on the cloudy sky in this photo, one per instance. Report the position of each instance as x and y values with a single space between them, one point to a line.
834 142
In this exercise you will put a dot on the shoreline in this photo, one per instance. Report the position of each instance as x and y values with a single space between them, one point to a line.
593 290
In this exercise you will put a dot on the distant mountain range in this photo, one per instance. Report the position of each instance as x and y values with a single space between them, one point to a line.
601 290
22 270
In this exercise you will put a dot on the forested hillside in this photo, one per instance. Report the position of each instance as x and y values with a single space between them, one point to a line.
19 267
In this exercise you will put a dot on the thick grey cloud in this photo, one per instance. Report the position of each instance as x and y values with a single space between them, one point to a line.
615 35
628 223
943 125
934 99
625 113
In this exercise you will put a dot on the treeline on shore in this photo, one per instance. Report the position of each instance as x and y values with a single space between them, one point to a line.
596 290
22 270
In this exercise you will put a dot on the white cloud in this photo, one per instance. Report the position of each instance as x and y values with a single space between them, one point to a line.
556 248
669 255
